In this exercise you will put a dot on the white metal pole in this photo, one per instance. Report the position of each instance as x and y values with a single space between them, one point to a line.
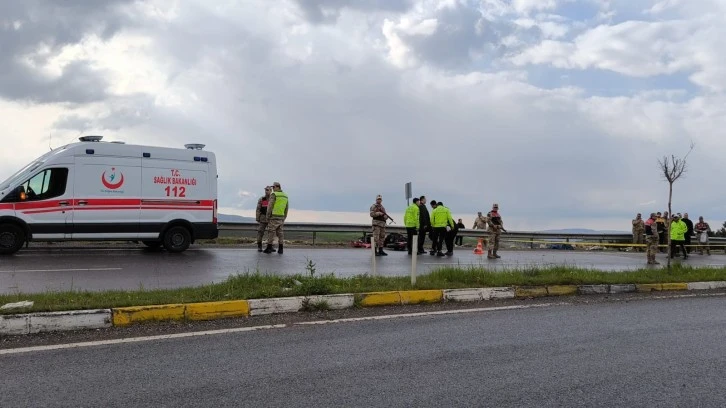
373 254
414 257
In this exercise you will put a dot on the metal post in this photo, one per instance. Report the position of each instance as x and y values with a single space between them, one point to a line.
373 254
414 257
531 243
314 239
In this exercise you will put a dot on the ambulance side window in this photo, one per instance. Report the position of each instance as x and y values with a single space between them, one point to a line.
47 184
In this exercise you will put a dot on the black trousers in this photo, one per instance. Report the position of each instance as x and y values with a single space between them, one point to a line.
438 236
459 240
422 238
678 244
410 232
450 237
688 244
661 240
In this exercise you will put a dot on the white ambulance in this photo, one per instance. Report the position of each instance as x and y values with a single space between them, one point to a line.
94 190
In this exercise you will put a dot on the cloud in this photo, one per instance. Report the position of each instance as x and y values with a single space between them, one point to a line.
328 11
32 35
641 49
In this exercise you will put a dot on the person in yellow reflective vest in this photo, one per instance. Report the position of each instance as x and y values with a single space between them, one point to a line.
678 235
277 208
411 221
441 222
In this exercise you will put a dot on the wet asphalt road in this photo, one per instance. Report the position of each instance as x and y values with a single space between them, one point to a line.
77 268
664 353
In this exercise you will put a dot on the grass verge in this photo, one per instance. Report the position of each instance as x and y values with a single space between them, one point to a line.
256 286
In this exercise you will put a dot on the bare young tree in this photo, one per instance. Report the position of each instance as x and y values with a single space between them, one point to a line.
672 168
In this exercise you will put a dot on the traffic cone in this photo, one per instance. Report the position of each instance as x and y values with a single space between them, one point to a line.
479 250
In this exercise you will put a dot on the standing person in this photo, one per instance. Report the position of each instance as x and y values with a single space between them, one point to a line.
261 216
689 232
702 229
424 225
440 220
411 221
651 237
481 222
451 230
496 226
380 217
638 232
661 229
277 207
459 241
678 231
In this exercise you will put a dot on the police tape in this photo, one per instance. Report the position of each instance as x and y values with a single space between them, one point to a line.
598 244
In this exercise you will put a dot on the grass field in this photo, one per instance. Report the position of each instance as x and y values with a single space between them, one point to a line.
255 285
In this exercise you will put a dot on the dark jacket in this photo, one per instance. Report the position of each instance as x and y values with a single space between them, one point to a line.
423 217
689 225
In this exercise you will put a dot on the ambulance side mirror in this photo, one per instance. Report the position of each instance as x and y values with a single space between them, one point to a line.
18 194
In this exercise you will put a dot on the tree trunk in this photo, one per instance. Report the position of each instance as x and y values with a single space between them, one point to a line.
668 223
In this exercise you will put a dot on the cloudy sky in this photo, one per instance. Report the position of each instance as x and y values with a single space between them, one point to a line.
556 109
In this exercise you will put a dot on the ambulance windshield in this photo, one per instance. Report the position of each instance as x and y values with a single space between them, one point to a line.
21 174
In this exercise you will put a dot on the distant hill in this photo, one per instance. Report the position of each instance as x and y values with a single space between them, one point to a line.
233 218
583 231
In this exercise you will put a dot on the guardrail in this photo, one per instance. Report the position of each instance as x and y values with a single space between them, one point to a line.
530 236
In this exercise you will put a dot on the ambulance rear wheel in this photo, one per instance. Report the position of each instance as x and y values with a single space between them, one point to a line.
177 239
12 239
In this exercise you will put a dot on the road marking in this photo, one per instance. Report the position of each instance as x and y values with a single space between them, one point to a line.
63 270
436 313
267 327
138 339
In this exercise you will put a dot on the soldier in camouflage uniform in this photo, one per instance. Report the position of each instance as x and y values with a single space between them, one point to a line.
496 226
651 237
638 232
276 215
480 222
261 216
380 217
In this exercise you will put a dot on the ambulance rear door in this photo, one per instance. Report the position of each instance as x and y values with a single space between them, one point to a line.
175 188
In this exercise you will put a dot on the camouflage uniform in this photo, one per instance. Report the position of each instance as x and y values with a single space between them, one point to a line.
378 214
496 225
652 239
480 222
638 233
261 217
275 222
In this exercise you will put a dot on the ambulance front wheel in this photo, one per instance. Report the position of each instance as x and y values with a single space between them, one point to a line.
12 239
177 239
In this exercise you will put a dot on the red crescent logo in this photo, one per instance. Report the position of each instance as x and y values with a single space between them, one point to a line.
109 185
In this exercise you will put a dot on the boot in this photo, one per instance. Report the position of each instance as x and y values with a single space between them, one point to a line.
269 249
259 246
279 248
495 254
380 252
489 254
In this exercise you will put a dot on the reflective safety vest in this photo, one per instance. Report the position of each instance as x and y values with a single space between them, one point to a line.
280 204
441 217
411 218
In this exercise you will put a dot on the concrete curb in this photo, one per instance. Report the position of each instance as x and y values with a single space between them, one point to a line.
123 316
54 321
